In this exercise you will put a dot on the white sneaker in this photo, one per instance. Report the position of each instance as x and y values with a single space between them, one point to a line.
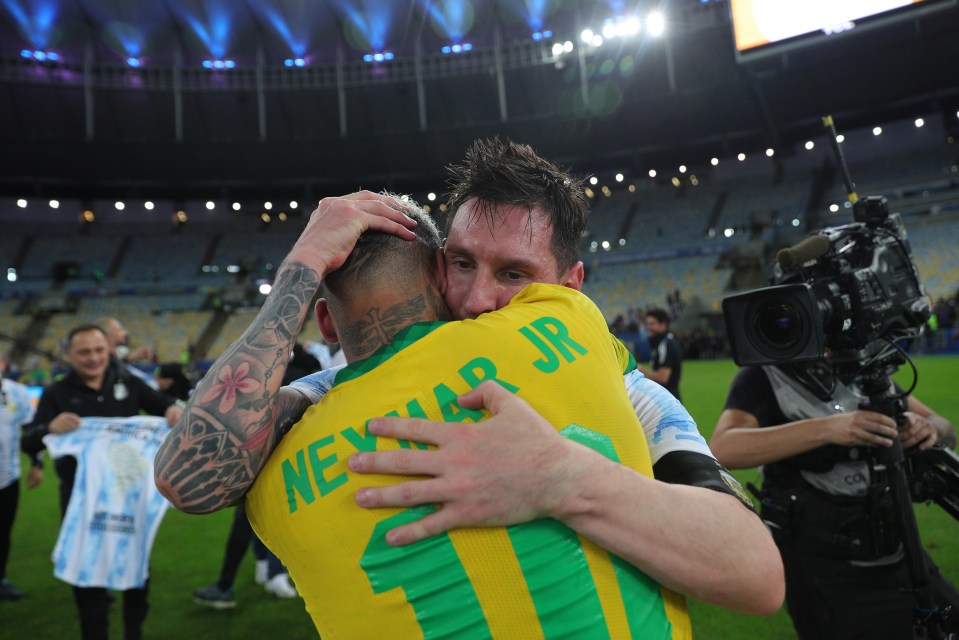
279 585
262 571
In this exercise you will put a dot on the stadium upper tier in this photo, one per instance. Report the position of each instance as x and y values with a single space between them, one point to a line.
177 282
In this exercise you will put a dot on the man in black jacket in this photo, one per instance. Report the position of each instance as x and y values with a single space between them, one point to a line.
96 387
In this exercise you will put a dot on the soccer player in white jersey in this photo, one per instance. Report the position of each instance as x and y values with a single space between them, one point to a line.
708 545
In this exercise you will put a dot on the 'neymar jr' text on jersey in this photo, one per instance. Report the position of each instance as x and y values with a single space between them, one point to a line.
551 346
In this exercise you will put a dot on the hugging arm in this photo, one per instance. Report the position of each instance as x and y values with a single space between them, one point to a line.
239 411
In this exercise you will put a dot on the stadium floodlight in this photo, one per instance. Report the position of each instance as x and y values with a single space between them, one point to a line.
795 222
770 152
587 36
619 177
809 145
266 288
119 205
682 168
236 206
652 173
714 161
293 204
606 245
22 203
557 48
655 24
741 157
840 138
593 180
54 204
11 274
267 205
920 122
567 47
834 207
210 205
431 196
728 232
148 205
877 131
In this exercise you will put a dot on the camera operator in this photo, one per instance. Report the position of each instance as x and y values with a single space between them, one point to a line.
846 575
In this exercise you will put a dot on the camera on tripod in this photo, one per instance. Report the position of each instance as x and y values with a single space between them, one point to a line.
850 288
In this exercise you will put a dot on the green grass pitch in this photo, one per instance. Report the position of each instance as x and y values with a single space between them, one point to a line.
189 550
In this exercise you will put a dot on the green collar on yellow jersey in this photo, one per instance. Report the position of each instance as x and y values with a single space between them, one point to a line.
404 338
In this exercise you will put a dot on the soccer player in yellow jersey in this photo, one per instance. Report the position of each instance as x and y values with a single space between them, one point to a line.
522 226
550 346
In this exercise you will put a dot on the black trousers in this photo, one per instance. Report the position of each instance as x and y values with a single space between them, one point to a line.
241 535
9 498
830 599
93 604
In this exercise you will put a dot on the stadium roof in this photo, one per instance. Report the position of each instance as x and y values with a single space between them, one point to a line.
91 124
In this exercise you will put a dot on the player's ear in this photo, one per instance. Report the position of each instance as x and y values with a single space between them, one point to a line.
324 320
573 278
441 269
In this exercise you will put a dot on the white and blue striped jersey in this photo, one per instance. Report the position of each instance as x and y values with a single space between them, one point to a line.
16 410
666 423
115 508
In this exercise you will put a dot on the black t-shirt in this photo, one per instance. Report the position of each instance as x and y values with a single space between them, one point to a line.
666 354
750 391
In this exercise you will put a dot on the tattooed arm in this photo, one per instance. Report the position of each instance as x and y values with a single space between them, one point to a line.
239 411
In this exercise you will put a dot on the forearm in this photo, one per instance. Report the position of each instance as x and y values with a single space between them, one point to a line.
696 541
212 455
747 447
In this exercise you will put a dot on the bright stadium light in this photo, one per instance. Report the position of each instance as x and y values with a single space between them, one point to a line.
920 122
22 203
655 23
840 138
293 204
267 205
54 204
682 168
587 37
877 131
210 205
741 157
266 288
714 161
236 206
119 205
652 173
567 47
557 48
809 145
431 196
593 180
148 205
834 207
619 177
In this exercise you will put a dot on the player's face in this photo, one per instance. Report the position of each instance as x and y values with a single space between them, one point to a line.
89 354
488 261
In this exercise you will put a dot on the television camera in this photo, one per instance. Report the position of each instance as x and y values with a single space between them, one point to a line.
847 296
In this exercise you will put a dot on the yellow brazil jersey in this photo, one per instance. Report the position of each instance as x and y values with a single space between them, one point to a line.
539 579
